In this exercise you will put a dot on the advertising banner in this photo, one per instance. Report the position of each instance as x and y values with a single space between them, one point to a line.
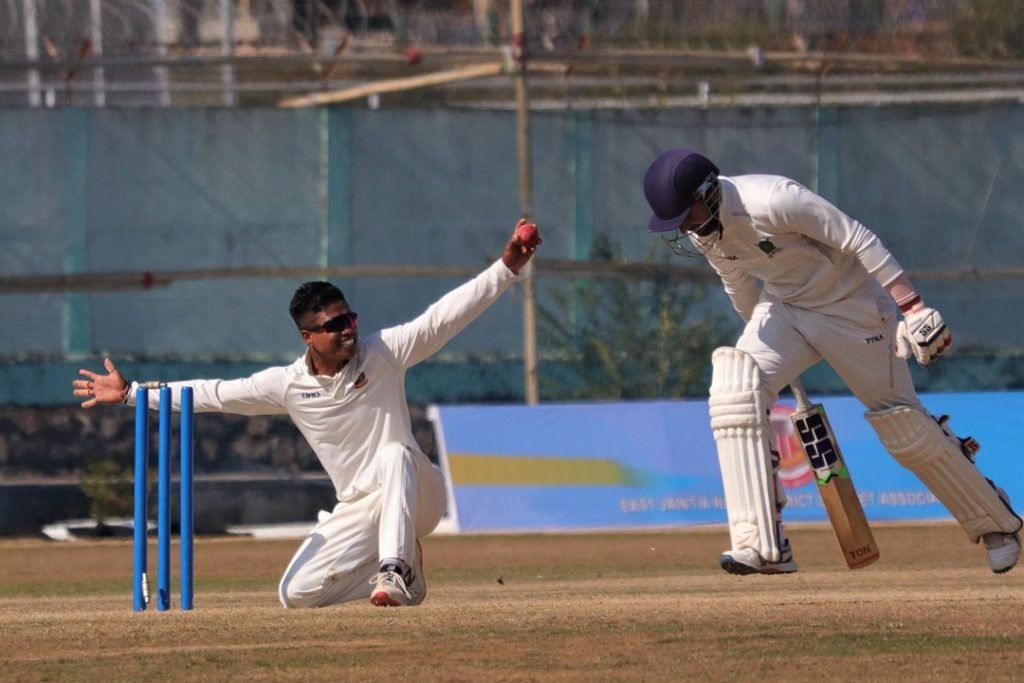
580 466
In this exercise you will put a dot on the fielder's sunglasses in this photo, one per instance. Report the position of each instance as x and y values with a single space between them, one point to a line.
338 323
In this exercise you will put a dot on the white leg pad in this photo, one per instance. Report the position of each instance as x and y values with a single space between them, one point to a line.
918 443
739 407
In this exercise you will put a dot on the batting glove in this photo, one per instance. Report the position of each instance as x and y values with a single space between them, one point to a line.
922 334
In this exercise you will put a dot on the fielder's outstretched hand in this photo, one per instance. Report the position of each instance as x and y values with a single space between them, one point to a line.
108 388
520 248
922 334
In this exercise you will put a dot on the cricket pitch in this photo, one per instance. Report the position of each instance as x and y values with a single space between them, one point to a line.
629 606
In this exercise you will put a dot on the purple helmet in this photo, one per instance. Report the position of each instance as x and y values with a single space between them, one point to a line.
672 185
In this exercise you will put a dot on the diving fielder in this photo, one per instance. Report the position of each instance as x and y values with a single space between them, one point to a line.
810 282
346 394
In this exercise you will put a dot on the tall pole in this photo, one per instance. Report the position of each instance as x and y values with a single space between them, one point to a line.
227 45
525 197
160 35
32 51
99 96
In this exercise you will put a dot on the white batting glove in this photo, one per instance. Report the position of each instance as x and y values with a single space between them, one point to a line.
922 334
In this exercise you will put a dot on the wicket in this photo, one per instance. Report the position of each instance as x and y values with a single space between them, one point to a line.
140 579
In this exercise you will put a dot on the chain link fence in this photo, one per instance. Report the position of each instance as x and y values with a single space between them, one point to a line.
147 27
125 52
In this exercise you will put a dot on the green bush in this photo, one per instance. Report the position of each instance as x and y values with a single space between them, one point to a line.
627 339
109 489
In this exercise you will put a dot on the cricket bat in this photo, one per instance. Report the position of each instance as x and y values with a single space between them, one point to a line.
834 482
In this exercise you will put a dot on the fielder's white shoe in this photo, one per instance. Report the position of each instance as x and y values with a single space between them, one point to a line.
748 561
400 589
1003 551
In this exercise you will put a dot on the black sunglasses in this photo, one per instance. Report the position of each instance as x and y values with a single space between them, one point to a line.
338 323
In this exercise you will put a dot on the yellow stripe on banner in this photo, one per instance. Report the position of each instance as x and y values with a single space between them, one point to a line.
468 469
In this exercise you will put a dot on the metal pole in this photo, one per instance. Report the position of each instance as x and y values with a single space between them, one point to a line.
99 95
525 198
32 51
227 44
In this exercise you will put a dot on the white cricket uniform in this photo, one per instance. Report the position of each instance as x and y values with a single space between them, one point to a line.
822 294
358 424
809 280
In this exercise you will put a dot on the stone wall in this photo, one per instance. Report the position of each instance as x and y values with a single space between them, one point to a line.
255 470
62 441
219 502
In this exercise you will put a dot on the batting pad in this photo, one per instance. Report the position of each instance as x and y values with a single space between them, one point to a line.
918 443
739 409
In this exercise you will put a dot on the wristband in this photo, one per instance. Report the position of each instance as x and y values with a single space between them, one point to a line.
908 305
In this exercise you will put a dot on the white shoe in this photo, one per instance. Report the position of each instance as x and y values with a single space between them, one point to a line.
394 589
748 561
1003 551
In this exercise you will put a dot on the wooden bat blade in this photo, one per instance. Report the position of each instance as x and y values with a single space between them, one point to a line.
838 494
849 523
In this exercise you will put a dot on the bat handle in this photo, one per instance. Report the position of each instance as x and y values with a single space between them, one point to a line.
797 387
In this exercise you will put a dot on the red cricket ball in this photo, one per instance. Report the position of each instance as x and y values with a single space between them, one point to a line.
526 235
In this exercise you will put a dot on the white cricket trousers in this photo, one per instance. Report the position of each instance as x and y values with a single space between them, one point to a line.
856 336
342 553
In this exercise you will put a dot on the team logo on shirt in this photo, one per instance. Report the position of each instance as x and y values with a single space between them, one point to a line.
768 247
361 381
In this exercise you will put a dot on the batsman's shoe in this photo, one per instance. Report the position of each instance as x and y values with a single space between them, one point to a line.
393 588
748 561
1003 551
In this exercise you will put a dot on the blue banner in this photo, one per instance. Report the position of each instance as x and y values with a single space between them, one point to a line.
654 464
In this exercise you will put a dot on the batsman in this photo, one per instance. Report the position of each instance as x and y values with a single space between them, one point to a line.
812 283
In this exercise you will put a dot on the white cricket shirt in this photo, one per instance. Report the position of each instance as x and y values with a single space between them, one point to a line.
804 250
348 417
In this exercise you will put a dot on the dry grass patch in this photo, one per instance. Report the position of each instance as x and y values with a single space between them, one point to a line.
602 607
